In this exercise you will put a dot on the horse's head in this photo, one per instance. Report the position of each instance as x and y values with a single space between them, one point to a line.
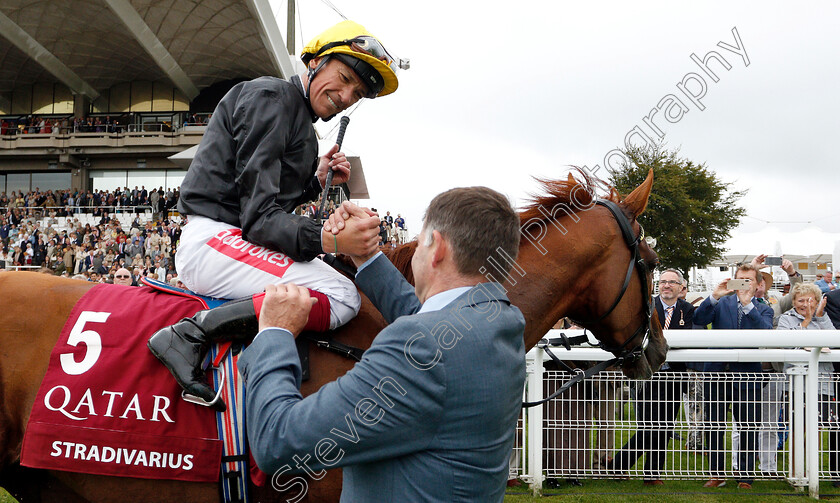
624 322
574 260
595 267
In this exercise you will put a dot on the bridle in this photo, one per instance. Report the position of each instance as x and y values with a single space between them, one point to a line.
623 353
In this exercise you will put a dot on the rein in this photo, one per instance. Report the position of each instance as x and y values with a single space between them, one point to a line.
623 354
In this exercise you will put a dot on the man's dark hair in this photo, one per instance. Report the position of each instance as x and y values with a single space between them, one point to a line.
479 223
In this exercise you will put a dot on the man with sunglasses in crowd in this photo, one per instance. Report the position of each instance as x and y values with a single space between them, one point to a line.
122 277
258 160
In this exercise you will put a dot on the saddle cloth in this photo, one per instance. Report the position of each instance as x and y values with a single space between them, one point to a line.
107 406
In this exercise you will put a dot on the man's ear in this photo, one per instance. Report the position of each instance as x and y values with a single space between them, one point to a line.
440 248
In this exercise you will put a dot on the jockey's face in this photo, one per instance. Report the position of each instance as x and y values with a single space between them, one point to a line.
334 89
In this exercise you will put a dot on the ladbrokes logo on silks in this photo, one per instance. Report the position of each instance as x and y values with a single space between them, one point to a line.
229 242
107 406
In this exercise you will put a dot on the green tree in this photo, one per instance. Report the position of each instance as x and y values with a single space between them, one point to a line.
690 211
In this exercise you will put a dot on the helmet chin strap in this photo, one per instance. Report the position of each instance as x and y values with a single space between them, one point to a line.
311 75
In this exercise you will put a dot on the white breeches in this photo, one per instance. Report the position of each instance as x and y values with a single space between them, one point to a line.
214 260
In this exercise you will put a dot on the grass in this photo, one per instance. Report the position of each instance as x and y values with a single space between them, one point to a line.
7 498
679 463
674 491
607 491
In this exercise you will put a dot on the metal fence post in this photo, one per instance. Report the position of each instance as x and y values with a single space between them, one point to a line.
796 446
534 424
812 434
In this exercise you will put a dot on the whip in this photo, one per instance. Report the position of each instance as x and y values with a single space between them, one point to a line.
341 129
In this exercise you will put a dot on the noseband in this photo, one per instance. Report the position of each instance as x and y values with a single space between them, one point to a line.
622 353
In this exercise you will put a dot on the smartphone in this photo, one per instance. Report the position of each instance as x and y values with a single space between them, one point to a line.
773 261
738 284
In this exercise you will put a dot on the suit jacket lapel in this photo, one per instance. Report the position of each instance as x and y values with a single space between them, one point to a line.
659 311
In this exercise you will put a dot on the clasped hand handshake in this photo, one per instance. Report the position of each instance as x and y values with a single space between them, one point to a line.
351 230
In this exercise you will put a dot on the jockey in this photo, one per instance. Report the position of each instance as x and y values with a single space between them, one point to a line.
258 161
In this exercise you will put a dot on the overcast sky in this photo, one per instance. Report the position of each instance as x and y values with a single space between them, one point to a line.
500 92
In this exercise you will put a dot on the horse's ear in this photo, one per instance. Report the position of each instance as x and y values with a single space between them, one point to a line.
637 200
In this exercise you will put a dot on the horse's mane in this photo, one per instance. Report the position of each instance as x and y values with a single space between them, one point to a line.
572 192
401 258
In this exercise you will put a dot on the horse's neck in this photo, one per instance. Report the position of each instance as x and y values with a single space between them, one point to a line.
548 289
401 258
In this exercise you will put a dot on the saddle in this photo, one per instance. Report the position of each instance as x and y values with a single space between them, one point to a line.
322 340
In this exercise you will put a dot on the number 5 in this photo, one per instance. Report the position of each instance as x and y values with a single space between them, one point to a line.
90 339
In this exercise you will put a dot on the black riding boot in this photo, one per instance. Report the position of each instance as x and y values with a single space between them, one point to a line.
183 346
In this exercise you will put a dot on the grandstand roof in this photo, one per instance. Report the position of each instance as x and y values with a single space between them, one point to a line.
90 45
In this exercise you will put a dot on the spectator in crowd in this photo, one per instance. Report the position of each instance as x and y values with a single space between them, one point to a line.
7 260
658 400
154 202
809 313
824 282
123 277
832 307
772 390
400 223
383 233
741 311
59 267
786 302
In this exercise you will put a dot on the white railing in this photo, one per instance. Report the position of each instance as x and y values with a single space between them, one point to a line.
601 411
42 211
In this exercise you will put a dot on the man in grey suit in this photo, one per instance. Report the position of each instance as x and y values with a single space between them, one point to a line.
430 412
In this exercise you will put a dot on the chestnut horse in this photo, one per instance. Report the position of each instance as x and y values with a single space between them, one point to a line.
572 261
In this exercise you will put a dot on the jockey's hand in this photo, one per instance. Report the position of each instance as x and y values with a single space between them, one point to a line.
286 306
359 238
337 162
347 209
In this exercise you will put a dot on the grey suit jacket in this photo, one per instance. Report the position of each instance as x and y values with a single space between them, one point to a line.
429 414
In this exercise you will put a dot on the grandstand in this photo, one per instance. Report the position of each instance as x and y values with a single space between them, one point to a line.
98 94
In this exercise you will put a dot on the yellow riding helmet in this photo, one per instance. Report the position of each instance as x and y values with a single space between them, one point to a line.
356 47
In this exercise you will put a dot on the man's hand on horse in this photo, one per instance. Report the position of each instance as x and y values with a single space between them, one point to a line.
338 163
286 306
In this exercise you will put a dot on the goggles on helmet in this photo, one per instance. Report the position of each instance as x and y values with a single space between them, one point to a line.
372 47
365 45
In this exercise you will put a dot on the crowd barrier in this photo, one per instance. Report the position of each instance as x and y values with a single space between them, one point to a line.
44 211
574 436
